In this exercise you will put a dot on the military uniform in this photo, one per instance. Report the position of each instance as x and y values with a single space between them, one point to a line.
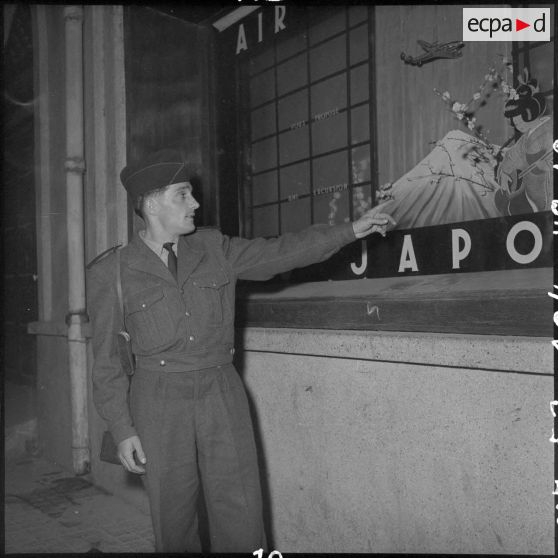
187 403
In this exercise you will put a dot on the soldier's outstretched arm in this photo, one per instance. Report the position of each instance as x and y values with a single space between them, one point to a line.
261 259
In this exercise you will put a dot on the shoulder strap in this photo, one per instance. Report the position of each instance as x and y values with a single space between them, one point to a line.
102 255
119 288
127 359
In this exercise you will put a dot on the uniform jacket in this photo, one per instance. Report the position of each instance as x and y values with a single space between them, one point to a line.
176 326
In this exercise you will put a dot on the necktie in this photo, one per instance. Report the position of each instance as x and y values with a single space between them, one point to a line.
173 262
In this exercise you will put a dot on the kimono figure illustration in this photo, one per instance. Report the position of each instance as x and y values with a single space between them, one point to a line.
525 173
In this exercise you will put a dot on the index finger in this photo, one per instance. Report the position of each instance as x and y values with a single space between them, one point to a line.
388 217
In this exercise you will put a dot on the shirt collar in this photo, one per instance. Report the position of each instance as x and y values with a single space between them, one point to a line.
157 247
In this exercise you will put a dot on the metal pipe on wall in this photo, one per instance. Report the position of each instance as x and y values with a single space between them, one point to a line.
75 166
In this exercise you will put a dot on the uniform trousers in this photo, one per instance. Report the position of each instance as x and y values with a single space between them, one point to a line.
197 424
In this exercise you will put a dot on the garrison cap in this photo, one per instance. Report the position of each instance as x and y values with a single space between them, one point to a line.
160 169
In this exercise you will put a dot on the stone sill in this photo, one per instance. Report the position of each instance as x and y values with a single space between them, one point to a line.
503 303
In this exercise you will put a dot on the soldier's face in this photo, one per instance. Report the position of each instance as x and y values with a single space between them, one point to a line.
175 209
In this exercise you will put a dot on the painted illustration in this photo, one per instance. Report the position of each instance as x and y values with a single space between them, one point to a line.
465 177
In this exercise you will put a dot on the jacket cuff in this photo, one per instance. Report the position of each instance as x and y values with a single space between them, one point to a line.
121 432
346 233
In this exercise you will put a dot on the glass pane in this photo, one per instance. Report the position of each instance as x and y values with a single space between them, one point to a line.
360 164
332 207
262 88
328 95
329 172
360 124
295 180
359 84
357 14
359 44
264 154
291 46
328 58
329 134
263 121
293 145
292 74
264 188
293 110
261 61
324 29
362 200
295 215
266 221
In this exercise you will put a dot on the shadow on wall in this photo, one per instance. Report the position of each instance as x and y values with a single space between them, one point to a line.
266 497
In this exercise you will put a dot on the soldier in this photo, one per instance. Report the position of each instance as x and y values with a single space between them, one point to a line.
187 414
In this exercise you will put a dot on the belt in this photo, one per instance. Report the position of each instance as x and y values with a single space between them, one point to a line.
186 362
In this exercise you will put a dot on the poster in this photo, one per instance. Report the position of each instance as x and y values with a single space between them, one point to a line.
349 108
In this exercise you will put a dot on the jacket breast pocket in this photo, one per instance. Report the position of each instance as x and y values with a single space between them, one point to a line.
149 320
210 294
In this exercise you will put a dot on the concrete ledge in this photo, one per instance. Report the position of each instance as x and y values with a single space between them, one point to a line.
503 353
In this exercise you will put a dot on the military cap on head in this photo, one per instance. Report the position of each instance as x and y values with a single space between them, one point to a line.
160 169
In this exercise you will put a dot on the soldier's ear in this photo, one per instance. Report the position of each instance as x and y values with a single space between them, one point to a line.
150 205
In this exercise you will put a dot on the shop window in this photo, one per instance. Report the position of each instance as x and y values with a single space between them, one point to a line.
293 146
264 188
326 28
359 44
264 154
356 128
263 121
266 221
262 88
293 213
292 74
360 124
327 94
329 134
328 58
295 180
293 111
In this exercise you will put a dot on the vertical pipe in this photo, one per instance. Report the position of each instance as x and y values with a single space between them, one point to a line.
75 166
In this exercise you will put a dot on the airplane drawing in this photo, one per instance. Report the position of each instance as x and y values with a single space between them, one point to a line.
432 51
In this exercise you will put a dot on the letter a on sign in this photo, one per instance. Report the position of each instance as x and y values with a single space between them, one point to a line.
408 259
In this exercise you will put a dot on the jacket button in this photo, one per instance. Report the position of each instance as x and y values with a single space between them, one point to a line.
187 313
232 351
143 305
191 337
162 363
